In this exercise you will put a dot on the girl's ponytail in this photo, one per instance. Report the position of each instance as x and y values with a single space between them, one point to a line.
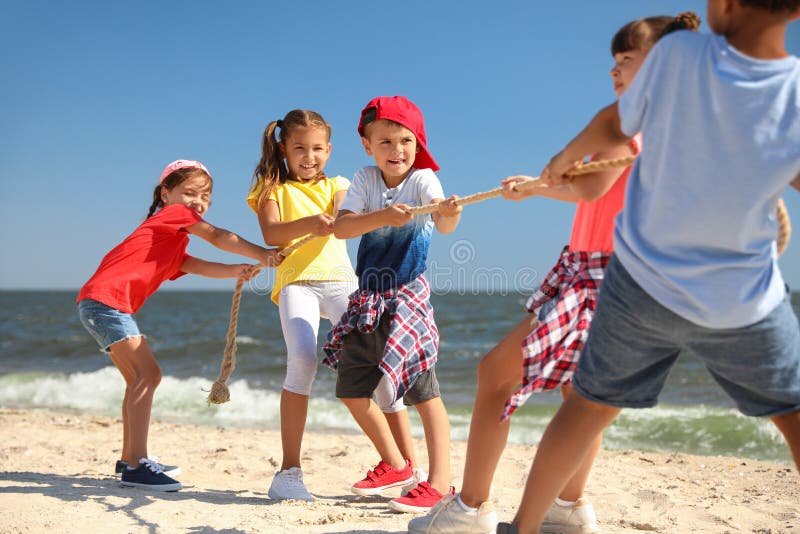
157 202
685 21
271 170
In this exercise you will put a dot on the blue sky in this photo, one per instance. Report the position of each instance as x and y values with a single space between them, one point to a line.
98 96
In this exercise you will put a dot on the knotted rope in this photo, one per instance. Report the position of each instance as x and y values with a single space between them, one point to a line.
219 389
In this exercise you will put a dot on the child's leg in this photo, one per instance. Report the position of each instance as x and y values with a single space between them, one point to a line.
358 378
400 427
372 421
565 444
437 438
397 418
789 425
499 372
142 375
576 485
300 316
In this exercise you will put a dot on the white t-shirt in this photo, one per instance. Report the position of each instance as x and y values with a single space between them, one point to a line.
392 256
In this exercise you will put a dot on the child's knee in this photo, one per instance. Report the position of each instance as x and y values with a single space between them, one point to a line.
492 377
300 373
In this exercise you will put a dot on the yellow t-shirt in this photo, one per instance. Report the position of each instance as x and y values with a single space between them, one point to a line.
324 258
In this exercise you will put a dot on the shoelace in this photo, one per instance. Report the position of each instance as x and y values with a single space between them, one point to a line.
152 465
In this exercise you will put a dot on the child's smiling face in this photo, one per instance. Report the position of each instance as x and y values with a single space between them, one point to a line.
394 148
194 193
306 150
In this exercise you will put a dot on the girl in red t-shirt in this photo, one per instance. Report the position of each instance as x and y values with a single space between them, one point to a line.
129 274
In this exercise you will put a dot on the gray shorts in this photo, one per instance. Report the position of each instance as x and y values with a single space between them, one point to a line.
358 373
634 341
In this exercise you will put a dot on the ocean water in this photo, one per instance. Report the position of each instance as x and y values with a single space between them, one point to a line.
48 360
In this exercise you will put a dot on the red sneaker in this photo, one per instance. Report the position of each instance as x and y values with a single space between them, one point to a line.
419 500
382 477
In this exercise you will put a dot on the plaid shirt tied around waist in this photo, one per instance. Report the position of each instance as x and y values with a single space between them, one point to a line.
551 350
413 342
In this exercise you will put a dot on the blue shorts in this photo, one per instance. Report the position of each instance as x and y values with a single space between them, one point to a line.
634 341
106 324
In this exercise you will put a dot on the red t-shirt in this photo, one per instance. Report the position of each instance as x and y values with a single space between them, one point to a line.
593 225
134 269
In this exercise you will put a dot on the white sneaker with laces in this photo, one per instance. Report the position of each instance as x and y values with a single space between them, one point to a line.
577 519
449 517
169 470
288 484
419 476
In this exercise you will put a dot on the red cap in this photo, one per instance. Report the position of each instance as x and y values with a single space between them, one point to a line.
403 111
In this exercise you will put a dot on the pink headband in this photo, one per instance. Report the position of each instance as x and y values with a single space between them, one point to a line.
182 164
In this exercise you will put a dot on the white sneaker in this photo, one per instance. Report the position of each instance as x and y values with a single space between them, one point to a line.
419 476
448 517
577 519
288 484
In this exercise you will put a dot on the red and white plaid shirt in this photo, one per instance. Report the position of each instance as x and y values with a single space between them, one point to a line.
551 350
413 342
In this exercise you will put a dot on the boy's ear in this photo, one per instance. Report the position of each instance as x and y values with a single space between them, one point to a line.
365 142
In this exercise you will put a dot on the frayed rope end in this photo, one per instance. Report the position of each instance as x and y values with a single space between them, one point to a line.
219 393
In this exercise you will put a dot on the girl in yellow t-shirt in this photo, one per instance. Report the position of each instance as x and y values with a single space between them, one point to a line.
294 198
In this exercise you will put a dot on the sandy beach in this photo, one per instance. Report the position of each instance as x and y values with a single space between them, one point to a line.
57 477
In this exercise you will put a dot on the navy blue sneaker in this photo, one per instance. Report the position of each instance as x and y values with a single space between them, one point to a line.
120 467
169 470
148 475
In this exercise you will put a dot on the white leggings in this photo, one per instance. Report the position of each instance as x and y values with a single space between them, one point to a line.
301 307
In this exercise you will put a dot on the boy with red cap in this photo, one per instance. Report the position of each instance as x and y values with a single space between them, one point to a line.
388 328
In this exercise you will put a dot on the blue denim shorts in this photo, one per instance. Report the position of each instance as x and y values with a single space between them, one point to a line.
106 324
634 341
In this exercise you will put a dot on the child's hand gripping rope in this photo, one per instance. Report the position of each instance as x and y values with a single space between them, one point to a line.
219 389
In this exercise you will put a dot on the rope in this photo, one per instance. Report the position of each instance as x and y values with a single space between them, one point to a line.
219 389
582 168
784 227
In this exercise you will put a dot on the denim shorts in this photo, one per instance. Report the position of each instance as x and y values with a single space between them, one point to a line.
106 324
358 373
634 341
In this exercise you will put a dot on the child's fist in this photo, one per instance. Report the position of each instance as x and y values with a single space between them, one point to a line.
450 207
397 215
323 225
517 187
247 271
271 258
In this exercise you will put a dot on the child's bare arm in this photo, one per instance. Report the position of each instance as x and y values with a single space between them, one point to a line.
448 216
349 224
230 242
212 269
557 192
338 198
277 232
603 133
590 187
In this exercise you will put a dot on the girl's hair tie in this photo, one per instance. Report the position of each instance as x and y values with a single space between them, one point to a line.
279 123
